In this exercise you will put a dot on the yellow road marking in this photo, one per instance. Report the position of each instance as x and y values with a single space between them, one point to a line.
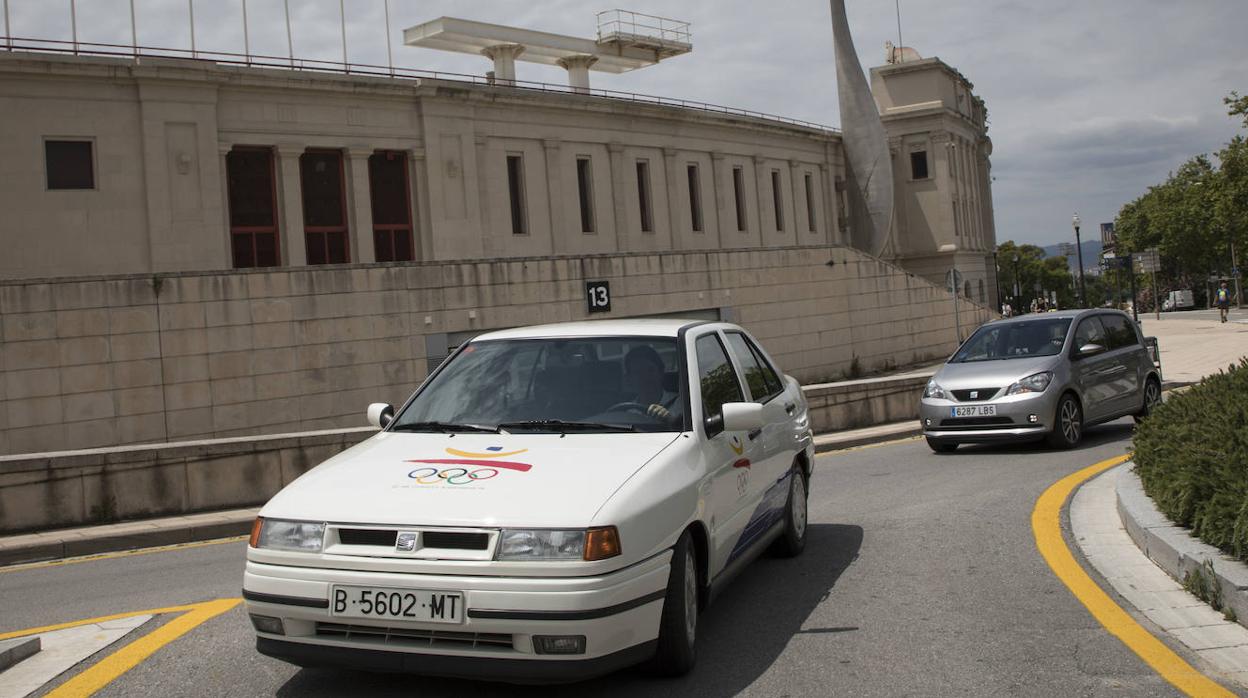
120 553
92 621
1046 525
106 670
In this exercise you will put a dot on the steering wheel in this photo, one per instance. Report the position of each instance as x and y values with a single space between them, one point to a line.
628 406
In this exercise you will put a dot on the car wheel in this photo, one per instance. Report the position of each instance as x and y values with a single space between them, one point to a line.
792 542
678 626
1152 398
941 446
1067 423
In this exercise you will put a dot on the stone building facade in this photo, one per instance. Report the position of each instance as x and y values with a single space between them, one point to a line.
194 250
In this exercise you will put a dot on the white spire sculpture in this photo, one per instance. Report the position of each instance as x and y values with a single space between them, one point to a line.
866 147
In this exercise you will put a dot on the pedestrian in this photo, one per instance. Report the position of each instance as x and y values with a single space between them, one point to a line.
1222 299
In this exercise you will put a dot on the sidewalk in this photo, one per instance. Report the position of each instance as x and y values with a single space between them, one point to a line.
1195 344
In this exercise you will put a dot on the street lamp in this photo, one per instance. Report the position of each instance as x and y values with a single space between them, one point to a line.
1083 291
1018 289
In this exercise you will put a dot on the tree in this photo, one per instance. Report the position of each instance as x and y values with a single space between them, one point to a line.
1196 215
1051 273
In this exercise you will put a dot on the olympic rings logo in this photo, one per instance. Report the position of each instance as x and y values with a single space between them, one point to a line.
451 476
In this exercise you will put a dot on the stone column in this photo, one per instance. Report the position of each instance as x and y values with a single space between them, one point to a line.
359 200
718 194
578 71
826 201
619 189
422 235
801 208
290 191
504 57
223 150
944 223
760 191
554 190
675 222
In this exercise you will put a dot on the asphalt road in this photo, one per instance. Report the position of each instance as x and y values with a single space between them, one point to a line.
920 578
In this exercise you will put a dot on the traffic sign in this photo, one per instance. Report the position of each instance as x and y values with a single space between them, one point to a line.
1149 260
953 280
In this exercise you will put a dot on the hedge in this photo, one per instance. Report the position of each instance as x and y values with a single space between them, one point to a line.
1192 456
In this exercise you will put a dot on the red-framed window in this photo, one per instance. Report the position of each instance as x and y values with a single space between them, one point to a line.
392 206
253 210
324 207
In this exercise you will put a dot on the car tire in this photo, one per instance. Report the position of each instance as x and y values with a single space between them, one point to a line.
675 652
1067 423
792 542
1152 398
941 446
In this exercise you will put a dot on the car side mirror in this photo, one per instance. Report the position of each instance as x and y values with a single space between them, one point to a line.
1090 349
743 416
380 414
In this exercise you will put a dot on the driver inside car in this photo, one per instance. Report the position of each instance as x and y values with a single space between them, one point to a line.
643 371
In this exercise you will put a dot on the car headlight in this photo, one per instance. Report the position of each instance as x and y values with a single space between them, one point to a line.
933 389
558 544
299 536
1035 383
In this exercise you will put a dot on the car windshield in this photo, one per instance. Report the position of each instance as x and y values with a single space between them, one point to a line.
1014 340
580 384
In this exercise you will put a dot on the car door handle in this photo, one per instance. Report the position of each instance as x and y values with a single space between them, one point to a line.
789 407
754 434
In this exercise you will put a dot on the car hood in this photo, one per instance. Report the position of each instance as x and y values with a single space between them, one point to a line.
992 374
540 480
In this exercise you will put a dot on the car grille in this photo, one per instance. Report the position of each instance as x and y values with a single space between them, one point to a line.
981 394
408 637
977 422
441 540
367 536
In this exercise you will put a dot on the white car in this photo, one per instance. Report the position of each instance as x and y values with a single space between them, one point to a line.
553 503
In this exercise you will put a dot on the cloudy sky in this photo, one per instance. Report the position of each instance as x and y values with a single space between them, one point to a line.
1090 101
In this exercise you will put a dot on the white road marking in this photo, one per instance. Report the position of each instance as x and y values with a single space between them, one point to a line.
62 650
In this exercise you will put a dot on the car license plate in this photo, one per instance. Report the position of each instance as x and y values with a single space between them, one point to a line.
975 411
396 604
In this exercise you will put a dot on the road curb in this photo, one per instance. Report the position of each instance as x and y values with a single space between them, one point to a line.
14 651
107 538
1174 549
853 440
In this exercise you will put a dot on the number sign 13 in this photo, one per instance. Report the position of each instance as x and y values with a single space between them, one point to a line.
598 296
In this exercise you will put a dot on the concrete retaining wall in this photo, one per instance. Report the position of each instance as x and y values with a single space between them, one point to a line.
53 490
88 363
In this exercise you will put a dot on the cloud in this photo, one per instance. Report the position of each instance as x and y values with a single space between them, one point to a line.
1090 102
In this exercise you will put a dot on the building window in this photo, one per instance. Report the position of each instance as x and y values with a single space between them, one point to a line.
810 202
69 164
777 203
253 215
515 190
918 164
643 196
324 207
695 198
391 202
585 190
982 297
738 191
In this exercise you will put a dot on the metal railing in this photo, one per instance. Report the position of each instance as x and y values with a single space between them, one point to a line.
137 53
628 23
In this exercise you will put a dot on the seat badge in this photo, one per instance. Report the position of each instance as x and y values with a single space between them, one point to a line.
406 542
974 394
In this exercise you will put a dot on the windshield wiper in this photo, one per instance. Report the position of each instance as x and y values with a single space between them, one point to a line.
444 427
559 425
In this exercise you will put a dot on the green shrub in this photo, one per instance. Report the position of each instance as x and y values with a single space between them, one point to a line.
1192 456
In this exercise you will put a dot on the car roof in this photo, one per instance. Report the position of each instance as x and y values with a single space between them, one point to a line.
634 327
1057 314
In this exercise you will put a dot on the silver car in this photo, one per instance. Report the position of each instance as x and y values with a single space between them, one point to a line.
1041 376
